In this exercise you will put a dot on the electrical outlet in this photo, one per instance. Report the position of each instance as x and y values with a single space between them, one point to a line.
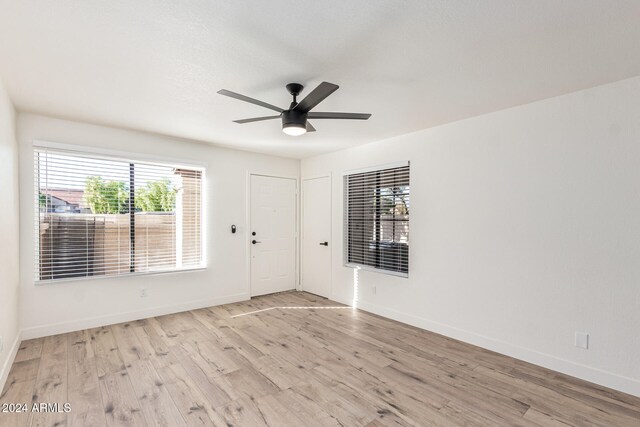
582 340
143 293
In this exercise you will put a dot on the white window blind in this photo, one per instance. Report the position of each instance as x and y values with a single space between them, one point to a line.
101 216
377 219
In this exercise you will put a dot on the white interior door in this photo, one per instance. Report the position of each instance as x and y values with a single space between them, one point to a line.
272 234
316 236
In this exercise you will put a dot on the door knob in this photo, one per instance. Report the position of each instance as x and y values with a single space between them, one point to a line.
253 242
324 243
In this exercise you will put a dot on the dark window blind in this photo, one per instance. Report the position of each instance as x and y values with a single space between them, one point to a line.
101 216
377 219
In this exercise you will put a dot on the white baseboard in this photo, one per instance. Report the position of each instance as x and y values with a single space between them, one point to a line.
6 366
587 373
94 322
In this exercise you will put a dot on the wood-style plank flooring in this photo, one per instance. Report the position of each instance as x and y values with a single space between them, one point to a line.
292 359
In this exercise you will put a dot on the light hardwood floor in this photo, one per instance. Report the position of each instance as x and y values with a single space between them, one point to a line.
292 359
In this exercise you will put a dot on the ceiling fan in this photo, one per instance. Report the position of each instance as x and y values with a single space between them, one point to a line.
294 120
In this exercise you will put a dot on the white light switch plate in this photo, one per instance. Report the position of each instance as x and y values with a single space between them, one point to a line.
582 340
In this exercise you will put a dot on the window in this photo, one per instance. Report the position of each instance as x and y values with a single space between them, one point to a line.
102 216
377 219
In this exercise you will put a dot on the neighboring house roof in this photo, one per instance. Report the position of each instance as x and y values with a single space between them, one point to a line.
54 201
69 195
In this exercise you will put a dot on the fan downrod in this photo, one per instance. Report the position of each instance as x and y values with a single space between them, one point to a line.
294 89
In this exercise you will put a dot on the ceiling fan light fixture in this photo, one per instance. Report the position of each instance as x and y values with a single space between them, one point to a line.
294 130
294 123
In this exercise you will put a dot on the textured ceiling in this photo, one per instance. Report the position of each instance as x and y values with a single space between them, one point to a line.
155 65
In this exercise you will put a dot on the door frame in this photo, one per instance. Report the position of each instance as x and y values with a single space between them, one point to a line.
249 174
330 176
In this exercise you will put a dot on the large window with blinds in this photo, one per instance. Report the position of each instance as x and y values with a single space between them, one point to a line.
104 216
377 219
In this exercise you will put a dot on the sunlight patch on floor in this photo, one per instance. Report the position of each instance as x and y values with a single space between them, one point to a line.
291 308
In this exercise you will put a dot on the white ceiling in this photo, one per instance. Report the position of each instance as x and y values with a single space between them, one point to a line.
156 65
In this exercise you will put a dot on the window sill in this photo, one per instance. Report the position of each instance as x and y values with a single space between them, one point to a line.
118 276
377 270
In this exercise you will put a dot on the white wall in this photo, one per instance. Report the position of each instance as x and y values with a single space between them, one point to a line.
525 227
9 220
61 307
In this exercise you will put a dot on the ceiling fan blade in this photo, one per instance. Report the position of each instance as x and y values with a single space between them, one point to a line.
316 96
348 116
310 128
250 100
256 119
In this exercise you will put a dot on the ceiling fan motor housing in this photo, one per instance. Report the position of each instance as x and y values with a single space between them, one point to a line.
294 118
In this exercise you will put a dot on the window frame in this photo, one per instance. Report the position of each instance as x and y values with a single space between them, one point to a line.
345 219
124 156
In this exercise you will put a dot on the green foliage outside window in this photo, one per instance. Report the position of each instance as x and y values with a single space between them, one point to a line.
156 196
42 198
112 197
106 197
